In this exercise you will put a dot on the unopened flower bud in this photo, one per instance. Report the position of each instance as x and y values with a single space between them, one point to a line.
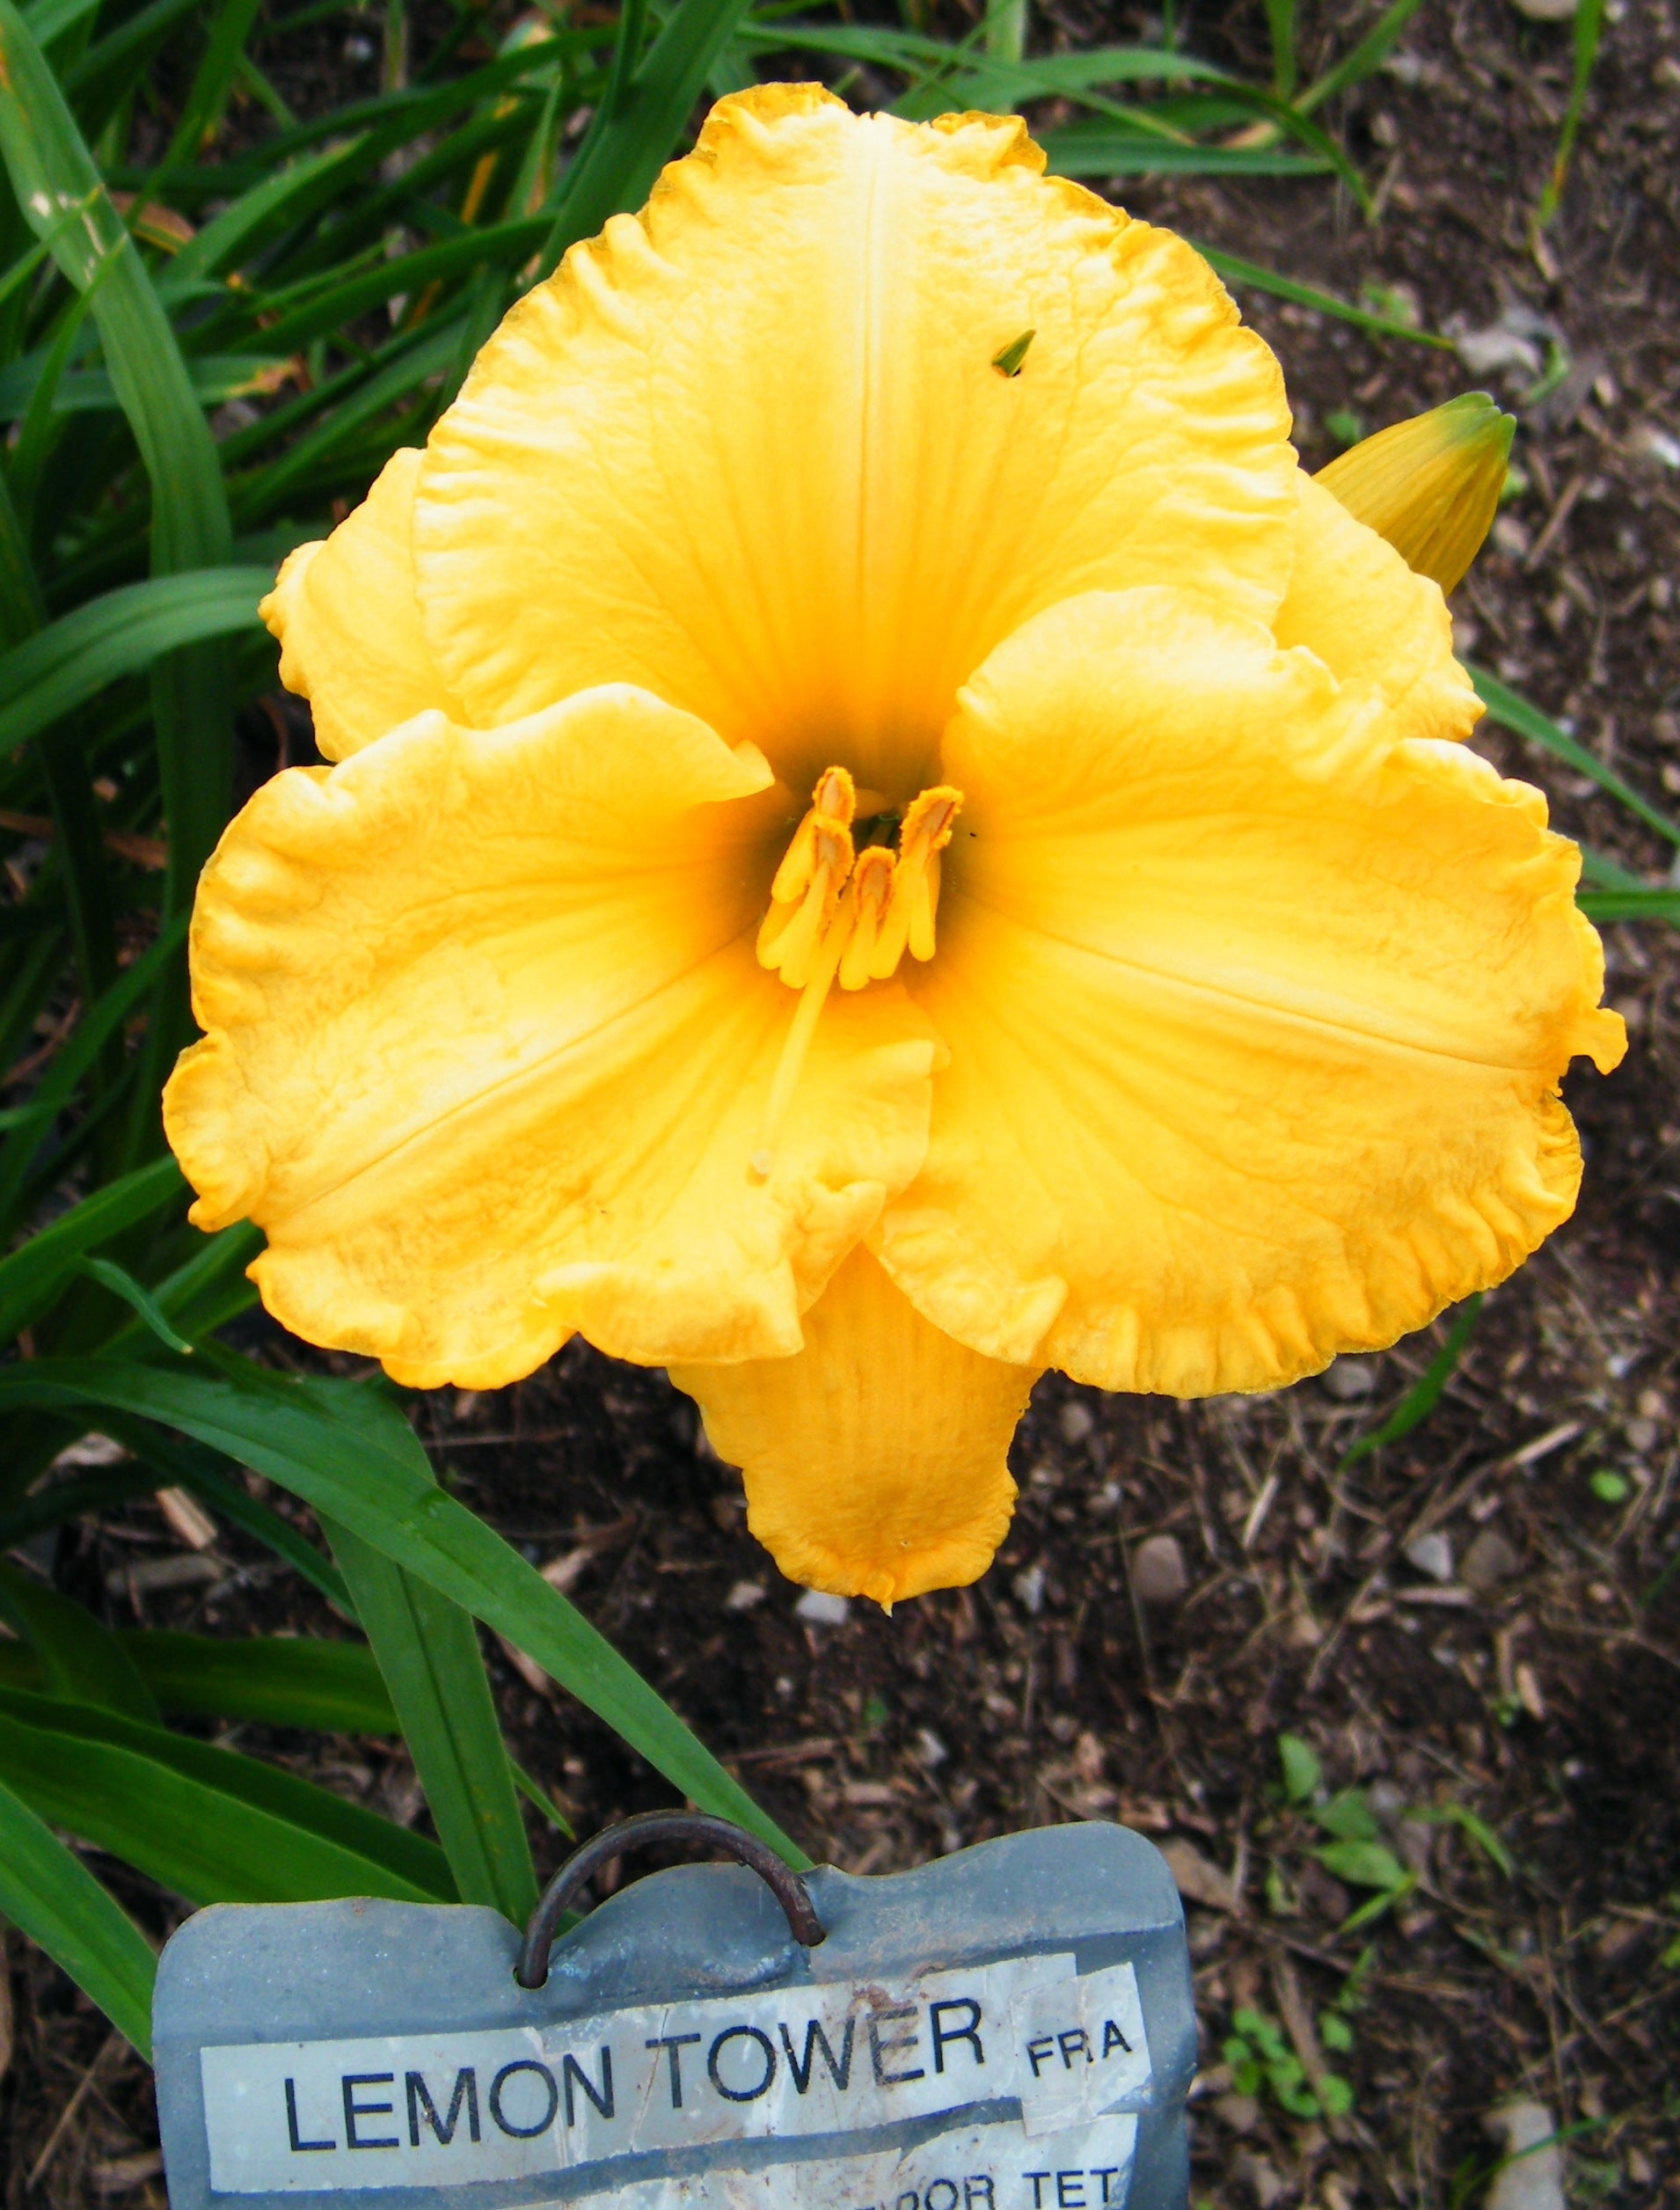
1430 486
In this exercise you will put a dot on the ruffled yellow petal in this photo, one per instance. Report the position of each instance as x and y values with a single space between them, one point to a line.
488 1046
875 1459
749 448
1257 1008
345 613
1354 601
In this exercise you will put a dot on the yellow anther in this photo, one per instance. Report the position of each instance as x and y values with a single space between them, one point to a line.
871 888
809 881
834 805
909 921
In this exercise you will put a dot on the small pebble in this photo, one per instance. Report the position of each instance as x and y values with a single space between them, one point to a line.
1240 2113
1533 2180
930 1751
1075 1422
1546 11
1431 1554
1642 1433
817 1608
1029 1590
1261 2176
1159 1571
744 1595
1489 1560
1349 1379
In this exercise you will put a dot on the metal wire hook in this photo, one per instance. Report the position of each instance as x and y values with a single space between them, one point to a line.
663 1826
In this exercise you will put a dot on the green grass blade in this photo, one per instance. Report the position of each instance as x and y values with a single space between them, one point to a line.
212 1824
1588 29
21 611
428 1650
120 634
1652 905
615 167
1279 23
1235 270
269 1680
32 1277
202 1295
1426 1392
1102 148
214 79
51 1897
80 1660
1514 712
1362 61
122 1283
384 1490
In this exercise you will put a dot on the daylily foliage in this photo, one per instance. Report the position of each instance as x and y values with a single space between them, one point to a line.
860 876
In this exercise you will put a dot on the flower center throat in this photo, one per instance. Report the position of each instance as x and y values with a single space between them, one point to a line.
840 913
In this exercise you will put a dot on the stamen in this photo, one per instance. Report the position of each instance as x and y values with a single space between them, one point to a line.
809 881
909 922
871 887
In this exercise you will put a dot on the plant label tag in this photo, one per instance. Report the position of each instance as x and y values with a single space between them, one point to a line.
1008 2029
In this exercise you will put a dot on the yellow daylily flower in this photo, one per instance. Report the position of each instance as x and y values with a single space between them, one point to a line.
866 860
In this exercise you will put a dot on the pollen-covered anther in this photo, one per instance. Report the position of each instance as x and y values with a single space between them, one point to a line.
909 921
808 882
870 893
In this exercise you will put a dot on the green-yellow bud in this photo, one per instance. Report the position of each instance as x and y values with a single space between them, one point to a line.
1431 485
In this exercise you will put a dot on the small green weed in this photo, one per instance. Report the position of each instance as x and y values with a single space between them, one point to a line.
1262 2061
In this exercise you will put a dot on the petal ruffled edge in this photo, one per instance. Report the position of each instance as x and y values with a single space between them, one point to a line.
344 612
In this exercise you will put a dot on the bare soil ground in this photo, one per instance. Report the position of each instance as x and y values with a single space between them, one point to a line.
1465 1626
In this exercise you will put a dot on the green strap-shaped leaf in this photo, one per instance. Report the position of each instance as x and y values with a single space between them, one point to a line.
272 1680
120 634
31 1278
381 1488
214 1825
53 174
631 140
80 1659
285 1680
53 1898
1514 711
428 1650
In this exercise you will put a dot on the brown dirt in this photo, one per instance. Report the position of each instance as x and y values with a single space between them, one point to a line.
1541 1700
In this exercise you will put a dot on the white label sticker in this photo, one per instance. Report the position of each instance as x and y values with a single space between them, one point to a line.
985 2168
442 2110
1080 2047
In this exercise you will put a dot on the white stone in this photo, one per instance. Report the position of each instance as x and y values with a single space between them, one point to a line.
1533 2180
744 1595
1029 1589
1431 1554
817 1608
1350 1379
1075 1421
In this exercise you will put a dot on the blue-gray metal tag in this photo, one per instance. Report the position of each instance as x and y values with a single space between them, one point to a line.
1008 2029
